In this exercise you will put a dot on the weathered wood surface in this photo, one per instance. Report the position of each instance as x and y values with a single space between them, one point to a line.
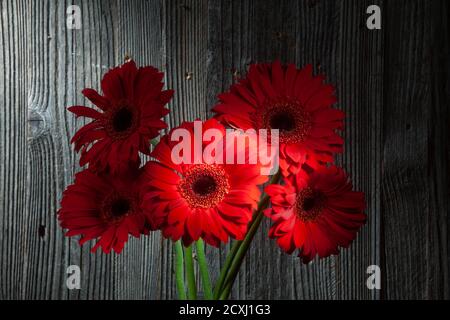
392 83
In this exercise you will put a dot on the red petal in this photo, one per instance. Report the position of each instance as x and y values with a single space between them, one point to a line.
100 101
128 75
82 111
286 243
112 86
194 225
303 76
291 74
299 233
278 78
274 190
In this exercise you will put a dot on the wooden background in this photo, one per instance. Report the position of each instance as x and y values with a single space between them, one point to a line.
393 83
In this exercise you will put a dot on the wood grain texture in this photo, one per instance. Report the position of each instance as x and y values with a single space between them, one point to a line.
393 84
13 148
332 36
415 163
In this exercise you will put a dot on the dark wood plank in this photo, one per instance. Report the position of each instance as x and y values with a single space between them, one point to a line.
439 146
62 63
13 148
415 166
357 65
332 36
140 270
184 55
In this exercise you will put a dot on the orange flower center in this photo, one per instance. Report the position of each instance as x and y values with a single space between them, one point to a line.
309 204
204 186
121 121
289 117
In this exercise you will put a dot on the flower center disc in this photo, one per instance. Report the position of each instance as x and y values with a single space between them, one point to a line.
115 207
289 117
120 207
121 122
309 204
203 186
282 121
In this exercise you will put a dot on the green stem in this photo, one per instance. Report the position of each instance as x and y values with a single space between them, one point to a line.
206 282
224 271
245 244
239 257
190 275
179 272
154 142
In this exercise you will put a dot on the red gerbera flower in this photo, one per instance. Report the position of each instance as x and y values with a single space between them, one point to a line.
315 213
211 201
132 106
98 206
294 102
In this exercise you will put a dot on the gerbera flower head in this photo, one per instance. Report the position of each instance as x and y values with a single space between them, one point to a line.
316 212
293 101
104 207
192 199
129 116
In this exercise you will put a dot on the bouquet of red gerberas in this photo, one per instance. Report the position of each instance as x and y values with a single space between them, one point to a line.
206 189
